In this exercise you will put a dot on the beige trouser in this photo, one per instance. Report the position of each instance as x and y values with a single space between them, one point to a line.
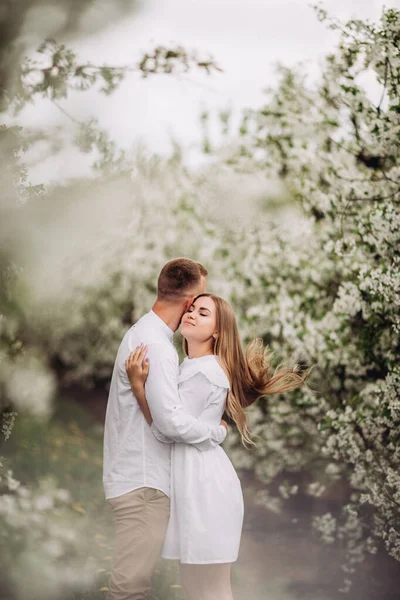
141 519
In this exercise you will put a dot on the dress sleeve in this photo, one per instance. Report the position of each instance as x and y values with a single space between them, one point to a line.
202 389
204 394
160 436
167 410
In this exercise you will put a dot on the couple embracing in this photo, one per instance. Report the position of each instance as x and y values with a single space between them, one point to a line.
170 484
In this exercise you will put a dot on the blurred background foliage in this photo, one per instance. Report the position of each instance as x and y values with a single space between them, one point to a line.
24 22
296 217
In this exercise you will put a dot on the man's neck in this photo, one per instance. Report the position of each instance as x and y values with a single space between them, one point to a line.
171 315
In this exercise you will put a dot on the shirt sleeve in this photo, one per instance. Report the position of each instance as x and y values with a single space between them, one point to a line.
167 410
160 436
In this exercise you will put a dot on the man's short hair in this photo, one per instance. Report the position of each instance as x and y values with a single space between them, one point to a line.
178 278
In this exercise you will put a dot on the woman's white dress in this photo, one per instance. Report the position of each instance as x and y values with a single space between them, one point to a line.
206 497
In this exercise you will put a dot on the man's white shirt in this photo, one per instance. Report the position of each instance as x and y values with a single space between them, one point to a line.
133 456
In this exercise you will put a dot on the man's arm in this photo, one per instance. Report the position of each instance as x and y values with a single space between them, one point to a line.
166 408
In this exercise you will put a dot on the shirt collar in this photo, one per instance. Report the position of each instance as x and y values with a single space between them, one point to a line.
162 325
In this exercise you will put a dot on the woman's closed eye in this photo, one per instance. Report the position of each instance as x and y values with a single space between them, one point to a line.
201 314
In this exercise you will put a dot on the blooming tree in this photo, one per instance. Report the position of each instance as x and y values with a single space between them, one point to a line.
326 287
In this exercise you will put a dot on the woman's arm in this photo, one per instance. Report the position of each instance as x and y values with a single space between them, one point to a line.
137 369
141 398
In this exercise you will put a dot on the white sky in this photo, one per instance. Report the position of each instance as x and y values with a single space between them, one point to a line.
246 37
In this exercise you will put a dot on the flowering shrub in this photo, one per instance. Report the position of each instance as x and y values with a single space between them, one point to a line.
38 529
326 288
36 536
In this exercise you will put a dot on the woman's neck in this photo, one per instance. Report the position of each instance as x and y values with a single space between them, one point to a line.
199 350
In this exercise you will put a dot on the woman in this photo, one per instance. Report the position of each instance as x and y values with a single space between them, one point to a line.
206 498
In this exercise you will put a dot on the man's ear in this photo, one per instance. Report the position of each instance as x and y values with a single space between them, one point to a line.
203 280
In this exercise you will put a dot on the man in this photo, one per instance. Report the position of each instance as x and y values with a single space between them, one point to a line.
136 464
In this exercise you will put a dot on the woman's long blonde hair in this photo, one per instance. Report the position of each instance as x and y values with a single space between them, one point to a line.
250 375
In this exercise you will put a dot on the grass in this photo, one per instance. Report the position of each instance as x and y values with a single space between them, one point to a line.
69 448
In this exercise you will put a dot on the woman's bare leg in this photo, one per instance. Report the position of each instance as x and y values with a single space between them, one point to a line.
207 582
